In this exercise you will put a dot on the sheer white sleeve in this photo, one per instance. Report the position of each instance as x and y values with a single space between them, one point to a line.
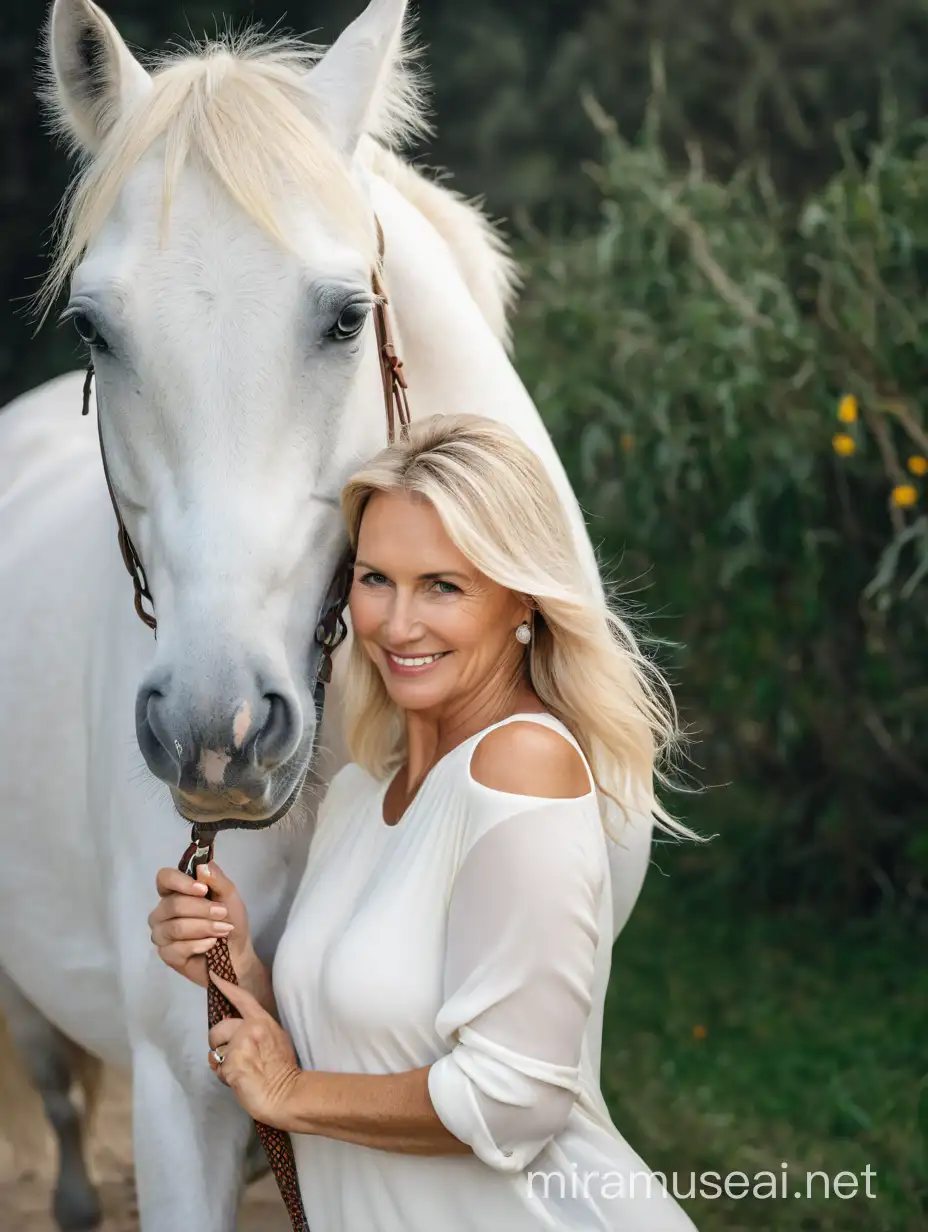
520 952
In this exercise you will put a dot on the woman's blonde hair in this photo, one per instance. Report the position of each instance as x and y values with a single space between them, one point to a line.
501 510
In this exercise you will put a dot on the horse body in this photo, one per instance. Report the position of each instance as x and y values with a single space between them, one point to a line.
84 829
51 581
230 422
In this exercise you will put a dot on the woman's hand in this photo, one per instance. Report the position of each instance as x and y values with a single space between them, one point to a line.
258 1061
185 924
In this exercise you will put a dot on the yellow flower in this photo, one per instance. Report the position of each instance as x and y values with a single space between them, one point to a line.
628 442
917 464
904 494
843 444
699 1031
847 409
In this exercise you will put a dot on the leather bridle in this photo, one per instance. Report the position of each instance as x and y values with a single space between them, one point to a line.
330 631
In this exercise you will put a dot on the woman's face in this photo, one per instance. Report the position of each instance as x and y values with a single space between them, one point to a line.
434 625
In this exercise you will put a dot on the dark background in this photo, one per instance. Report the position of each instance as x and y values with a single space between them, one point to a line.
720 210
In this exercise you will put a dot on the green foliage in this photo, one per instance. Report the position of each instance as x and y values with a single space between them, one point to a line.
689 355
736 1041
745 79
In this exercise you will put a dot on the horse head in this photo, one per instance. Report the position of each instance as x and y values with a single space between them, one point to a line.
219 248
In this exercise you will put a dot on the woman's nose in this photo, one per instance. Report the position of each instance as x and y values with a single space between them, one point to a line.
402 618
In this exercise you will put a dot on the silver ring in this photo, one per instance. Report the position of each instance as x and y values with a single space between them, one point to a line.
217 1056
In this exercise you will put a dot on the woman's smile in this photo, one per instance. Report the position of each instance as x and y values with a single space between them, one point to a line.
413 665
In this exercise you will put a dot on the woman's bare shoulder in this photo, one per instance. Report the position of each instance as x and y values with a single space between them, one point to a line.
530 759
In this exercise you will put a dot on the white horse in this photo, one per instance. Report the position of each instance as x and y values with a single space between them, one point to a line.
219 254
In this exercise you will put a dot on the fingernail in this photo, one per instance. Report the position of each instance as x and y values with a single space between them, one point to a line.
207 870
202 946
218 912
222 929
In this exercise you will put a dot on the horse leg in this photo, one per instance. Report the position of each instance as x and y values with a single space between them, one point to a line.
54 1063
189 1139
256 1165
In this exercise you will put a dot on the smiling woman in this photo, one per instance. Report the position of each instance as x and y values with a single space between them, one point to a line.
461 551
439 987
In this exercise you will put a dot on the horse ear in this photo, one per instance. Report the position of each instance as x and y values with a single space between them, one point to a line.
361 83
93 77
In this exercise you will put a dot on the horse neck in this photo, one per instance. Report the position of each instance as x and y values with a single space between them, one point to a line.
453 361
442 337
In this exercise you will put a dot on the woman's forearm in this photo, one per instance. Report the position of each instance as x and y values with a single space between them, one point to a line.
389 1112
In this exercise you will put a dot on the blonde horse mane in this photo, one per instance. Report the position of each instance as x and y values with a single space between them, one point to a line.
478 247
238 104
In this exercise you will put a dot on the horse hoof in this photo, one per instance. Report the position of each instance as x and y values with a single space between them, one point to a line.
77 1212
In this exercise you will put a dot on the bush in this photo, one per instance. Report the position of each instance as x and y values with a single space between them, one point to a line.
736 388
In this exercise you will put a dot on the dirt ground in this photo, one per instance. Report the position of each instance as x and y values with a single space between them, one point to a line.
25 1192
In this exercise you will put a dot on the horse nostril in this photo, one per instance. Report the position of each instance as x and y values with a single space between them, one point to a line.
281 733
158 748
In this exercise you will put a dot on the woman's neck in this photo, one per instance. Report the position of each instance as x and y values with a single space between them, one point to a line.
432 734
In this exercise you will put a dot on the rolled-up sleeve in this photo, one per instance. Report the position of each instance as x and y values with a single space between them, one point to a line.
520 956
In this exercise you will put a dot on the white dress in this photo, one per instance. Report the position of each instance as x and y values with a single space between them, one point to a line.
475 937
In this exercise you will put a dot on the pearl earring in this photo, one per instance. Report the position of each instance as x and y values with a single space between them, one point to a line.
524 633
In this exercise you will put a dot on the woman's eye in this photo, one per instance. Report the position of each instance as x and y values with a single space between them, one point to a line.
350 321
88 331
373 579
445 588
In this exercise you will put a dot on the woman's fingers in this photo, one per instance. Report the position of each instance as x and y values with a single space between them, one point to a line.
192 914
173 881
224 1031
164 932
175 906
221 888
179 953
246 1004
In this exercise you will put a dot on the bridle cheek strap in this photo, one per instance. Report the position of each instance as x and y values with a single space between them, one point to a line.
395 401
330 631
130 557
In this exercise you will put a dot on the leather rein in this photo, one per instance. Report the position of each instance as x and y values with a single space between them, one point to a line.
330 632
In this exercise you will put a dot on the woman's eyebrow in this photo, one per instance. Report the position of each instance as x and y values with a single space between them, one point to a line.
423 577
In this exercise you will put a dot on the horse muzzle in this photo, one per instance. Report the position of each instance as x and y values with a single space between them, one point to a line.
228 749
211 812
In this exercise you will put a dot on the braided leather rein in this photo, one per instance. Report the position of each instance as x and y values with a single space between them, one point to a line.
330 631
276 1142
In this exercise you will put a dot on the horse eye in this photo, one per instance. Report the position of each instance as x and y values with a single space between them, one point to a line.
88 331
350 321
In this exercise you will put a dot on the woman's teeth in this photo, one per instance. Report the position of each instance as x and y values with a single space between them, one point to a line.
418 661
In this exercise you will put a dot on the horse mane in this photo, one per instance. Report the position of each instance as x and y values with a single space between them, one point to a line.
480 251
238 103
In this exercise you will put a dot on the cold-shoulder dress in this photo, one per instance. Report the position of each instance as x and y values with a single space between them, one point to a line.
474 936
